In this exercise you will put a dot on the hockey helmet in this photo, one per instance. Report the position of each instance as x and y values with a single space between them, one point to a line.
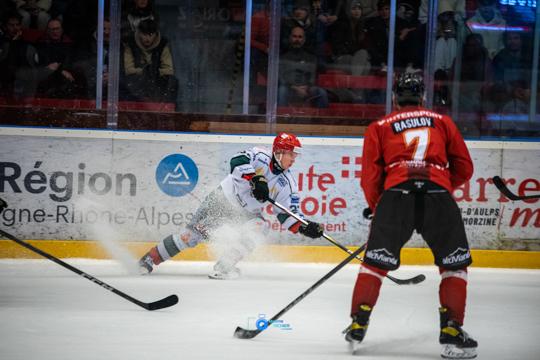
287 142
409 89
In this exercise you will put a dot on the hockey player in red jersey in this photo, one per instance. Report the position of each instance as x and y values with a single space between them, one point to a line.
256 175
412 160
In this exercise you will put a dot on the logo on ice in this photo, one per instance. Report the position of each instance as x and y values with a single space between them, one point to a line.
177 175
262 323
460 255
382 255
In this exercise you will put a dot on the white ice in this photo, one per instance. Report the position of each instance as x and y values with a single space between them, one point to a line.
50 313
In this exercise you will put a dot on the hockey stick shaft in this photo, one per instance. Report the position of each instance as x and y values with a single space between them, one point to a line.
248 334
415 280
499 183
166 302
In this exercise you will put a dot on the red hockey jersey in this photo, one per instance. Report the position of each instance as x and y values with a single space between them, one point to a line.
413 143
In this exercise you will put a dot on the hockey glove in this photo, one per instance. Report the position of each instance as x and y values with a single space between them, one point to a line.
312 229
367 213
259 188
3 205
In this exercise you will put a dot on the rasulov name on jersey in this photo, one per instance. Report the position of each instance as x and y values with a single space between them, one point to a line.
417 122
61 185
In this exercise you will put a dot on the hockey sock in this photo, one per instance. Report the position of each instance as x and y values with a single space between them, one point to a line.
366 289
453 293
170 246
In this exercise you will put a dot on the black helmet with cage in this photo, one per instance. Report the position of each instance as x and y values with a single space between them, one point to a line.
409 89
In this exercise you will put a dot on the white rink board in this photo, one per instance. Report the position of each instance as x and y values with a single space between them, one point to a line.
58 183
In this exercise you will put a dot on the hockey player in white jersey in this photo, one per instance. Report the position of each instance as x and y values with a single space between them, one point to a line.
256 175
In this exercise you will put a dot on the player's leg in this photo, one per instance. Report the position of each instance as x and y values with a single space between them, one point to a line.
250 234
210 214
444 232
391 227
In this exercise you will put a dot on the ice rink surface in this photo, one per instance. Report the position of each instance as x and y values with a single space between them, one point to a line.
50 313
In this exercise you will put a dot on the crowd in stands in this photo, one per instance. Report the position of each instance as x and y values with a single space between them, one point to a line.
48 48
350 37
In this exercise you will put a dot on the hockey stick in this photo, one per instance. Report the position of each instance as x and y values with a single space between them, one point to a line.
156 305
242 333
499 183
414 280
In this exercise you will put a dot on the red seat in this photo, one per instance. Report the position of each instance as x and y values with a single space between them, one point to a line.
351 82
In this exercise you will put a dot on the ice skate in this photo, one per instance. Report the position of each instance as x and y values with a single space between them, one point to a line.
455 342
147 262
225 270
146 265
221 274
356 332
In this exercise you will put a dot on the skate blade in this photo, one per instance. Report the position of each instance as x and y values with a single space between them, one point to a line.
449 351
220 276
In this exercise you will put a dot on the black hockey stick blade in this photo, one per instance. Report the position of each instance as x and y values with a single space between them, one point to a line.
415 280
412 281
160 304
499 183
242 333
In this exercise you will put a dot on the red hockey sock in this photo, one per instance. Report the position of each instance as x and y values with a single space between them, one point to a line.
154 254
453 292
368 284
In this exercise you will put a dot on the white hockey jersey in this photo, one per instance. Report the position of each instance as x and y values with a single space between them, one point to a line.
283 186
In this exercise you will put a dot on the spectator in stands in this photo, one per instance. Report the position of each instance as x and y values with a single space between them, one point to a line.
136 12
377 31
446 43
148 65
520 93
457 7
407 41
86 62
369 7
349 43
34 13
55 52
297 74
260 37
301 16
349 46
513 62
488 22
476 75
18 60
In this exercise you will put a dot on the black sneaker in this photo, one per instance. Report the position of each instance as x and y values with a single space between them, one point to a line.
456 343
356 332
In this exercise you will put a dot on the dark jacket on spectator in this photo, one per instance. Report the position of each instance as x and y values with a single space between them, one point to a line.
297 67
348 37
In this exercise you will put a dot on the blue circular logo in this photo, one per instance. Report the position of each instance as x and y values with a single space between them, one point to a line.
261 324
177 175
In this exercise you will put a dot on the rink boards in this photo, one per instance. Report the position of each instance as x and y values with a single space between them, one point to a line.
137 187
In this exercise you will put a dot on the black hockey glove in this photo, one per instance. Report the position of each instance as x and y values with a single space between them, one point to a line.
259 188
3 205
312 229
367 213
